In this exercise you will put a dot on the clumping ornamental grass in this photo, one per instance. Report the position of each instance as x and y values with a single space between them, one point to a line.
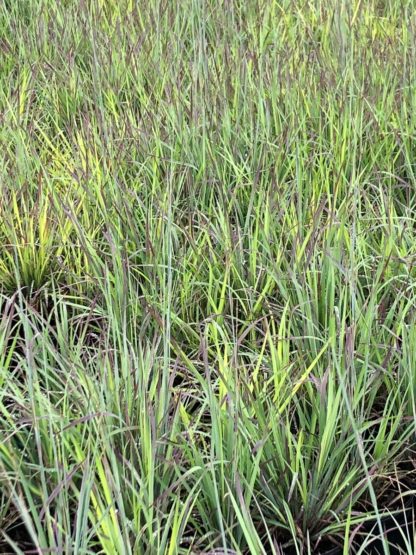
207 277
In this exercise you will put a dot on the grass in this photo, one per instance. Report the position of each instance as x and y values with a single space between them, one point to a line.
207 277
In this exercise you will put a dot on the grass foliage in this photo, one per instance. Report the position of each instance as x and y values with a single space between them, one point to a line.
207 276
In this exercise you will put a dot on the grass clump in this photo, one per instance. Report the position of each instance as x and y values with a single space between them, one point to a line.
207 278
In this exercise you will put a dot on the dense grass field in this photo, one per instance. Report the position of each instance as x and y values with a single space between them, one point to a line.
207 277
